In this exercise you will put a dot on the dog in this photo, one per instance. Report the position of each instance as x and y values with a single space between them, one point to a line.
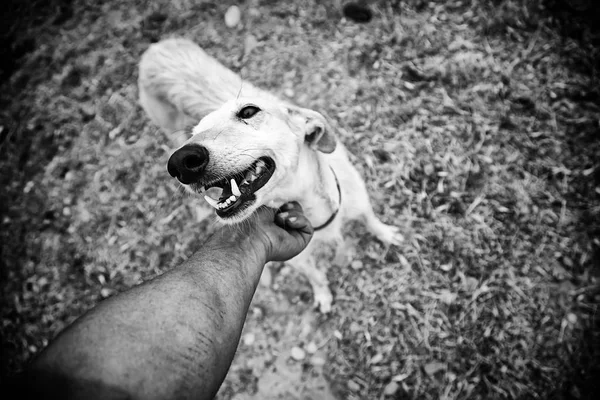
248 148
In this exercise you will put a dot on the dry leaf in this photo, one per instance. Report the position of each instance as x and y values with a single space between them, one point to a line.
434 367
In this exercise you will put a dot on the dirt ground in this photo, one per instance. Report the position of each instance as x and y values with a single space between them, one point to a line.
475 124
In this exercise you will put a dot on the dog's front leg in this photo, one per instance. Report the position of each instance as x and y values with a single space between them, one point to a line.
361 209
344 253
306 264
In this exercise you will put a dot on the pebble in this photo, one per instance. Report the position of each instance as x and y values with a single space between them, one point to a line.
249 339
297 353
233 16
311 348
390 389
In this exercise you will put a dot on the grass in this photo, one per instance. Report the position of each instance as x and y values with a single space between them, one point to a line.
474 124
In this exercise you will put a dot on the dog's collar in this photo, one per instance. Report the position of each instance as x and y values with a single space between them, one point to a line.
337 183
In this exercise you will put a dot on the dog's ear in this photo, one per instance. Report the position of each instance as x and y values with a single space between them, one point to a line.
318 134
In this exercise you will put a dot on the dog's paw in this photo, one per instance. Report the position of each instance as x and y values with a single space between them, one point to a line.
390 235
323 301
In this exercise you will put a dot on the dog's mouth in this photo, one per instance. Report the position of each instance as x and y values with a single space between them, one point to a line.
232 194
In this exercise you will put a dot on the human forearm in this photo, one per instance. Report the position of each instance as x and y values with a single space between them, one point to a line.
182 325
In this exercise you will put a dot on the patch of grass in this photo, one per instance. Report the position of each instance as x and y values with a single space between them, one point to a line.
475 125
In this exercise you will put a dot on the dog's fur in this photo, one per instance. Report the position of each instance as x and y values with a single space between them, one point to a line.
180 85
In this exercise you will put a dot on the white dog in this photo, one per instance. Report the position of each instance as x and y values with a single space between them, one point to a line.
248 148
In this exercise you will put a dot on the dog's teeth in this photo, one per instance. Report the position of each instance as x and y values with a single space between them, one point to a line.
234 188
232 198
214 203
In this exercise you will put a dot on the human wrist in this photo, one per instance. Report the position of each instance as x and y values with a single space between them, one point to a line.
240 242
251 245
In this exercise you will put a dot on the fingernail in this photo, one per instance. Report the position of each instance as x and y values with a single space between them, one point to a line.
293 219
284 214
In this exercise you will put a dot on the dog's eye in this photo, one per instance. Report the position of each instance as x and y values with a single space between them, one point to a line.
248 112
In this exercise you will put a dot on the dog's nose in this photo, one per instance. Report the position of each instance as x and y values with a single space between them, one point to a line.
188 163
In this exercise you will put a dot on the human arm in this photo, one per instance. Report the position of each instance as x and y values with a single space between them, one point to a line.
173 336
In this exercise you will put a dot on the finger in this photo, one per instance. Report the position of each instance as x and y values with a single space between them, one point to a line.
295 220
298 220
281 220
291 206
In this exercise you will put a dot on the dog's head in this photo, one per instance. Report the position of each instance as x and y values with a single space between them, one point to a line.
250 152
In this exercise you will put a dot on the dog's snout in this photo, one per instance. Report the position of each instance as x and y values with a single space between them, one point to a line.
188 163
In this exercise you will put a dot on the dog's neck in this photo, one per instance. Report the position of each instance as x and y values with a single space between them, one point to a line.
319 195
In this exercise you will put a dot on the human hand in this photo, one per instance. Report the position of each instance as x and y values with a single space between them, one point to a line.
285 233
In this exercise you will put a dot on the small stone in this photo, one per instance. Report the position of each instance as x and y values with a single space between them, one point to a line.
356 265
297 353
249 339
446 267
311 348
232 16
390 389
